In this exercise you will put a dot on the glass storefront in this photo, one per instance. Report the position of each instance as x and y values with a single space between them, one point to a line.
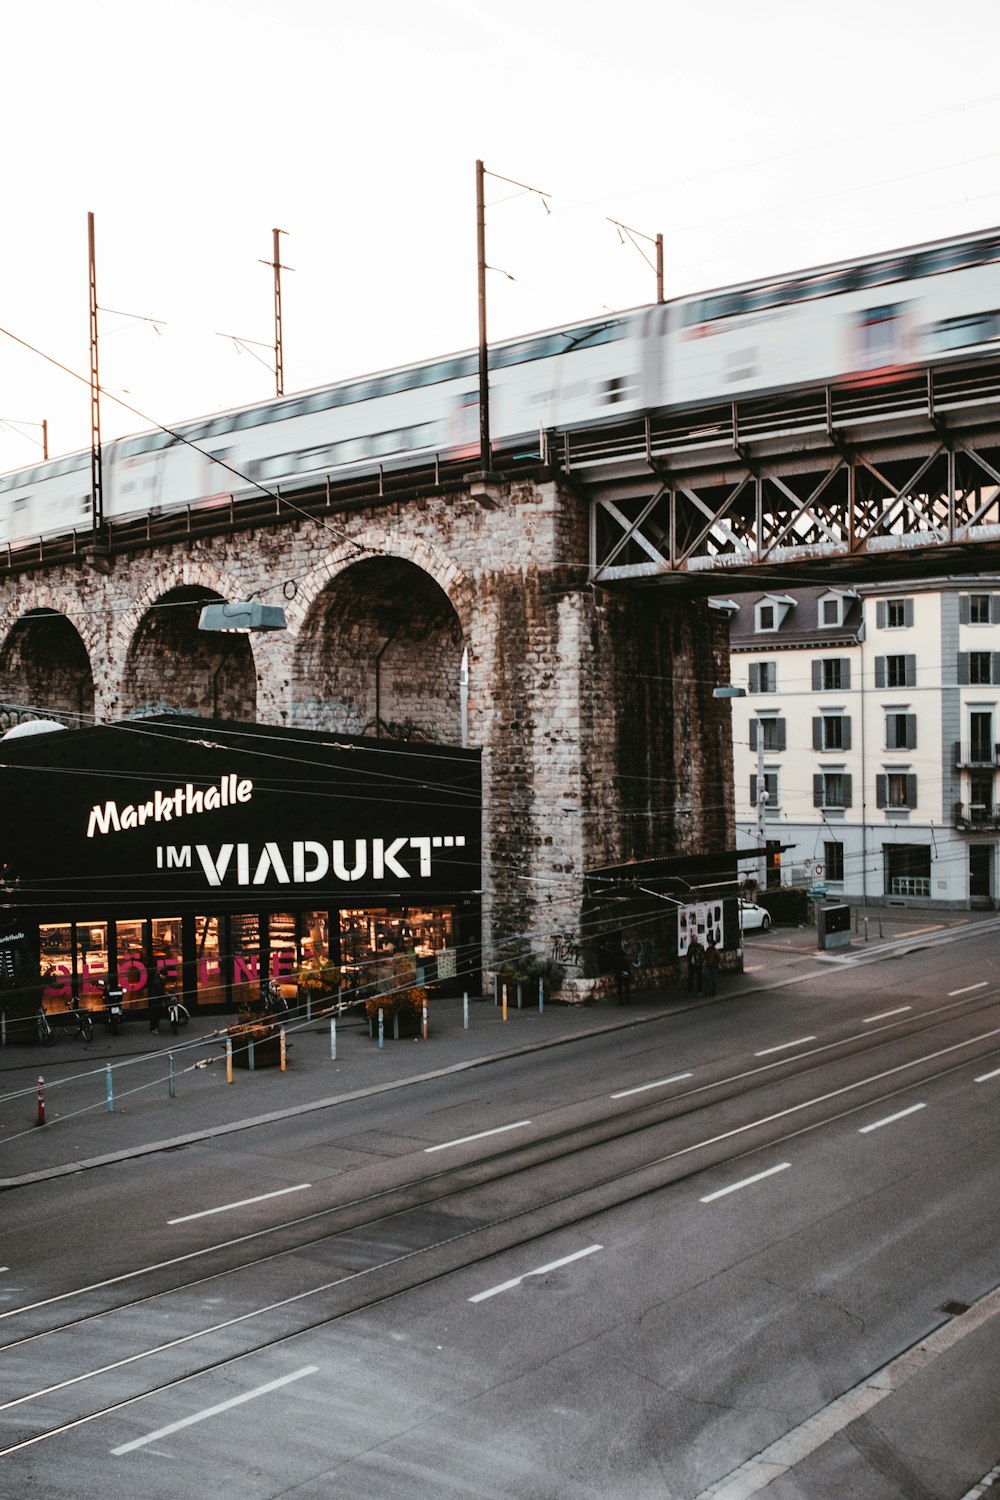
209 979
55 963
244 959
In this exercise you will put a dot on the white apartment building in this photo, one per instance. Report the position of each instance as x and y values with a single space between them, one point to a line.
874 716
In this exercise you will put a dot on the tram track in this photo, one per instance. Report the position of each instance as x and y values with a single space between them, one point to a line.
363 1288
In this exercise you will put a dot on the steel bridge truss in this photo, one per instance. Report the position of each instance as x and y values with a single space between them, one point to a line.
890 480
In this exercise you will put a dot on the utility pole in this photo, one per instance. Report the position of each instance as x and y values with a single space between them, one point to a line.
761 808
96 474
279 350
484 376
634 234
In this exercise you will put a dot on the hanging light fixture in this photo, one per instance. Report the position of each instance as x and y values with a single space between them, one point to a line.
246 617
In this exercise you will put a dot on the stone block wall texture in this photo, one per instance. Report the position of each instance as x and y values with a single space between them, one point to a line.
593 710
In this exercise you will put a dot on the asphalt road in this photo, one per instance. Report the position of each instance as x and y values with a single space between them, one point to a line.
721 1252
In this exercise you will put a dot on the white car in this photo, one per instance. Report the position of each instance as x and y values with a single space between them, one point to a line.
753 917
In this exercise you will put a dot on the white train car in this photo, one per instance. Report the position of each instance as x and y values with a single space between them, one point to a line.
862 322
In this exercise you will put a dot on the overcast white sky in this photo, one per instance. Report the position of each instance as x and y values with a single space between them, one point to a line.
756 137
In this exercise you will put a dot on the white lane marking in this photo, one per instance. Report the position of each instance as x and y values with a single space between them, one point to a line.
983 1078
213 1411
969 988
481 1135
224 1208
884 1014
4 1268
877 1124
659 1084
553 1265
734 1187
783 1045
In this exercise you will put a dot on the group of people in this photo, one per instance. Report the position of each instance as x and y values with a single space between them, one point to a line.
704 962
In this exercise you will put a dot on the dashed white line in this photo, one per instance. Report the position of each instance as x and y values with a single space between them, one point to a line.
884 1015
224 1208
799 1042
213 1411
553 1265
734 1187
479 1136
889 1119
967 989
659 1084
983 1078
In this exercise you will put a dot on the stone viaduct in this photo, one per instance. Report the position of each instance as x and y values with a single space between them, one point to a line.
592 708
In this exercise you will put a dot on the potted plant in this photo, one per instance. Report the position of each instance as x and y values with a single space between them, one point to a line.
256 1043
402 1004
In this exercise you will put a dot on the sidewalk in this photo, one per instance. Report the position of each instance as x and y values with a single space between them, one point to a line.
80 1131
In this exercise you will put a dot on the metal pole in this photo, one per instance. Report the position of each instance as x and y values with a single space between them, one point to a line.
3 1029
250 1067
109 1090
761 805
424 1028
41 1101
659 268
381 1027
229 1059
541 994
96 484
171 1086
279 360
463 697
504 1010
484 383
281 1047
333 1038
519 1006
465 1010
45 439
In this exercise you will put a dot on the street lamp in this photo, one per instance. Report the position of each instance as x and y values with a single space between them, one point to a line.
247 617
729 691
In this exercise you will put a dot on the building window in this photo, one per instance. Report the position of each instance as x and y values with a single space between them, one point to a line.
769 732
895 671
979 609
894 614
900 731
830 610
770 787
833 859
832 732
832 789
763 677
979 666
766 617
831 674
896 790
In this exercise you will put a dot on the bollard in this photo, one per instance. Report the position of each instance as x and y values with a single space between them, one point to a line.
541 994
309 1005
381 1027
424 1028
333 1038
505 1002
880 932
496 989
519 995
3 1028
865 920
229 1059
465 1010
41 1101
110 1091
171 1086
281 1048
250 1055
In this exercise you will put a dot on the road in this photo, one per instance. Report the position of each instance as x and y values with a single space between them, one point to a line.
744 1248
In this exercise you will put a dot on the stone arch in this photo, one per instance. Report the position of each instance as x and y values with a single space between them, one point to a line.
379 653
45 670
172 664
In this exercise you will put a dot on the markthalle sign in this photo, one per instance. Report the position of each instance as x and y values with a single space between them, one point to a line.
174 811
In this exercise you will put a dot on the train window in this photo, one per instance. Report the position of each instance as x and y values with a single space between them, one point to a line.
957 333
896 268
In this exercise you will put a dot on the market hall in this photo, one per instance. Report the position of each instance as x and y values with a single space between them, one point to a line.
229 853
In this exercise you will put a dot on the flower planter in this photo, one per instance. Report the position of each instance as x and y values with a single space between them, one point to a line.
266 1050
402 1023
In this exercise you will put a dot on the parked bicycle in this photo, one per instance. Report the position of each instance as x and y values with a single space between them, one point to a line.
177 1013
73 1021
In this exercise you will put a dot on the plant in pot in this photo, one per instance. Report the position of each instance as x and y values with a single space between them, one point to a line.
402 1003
247 1031
318 979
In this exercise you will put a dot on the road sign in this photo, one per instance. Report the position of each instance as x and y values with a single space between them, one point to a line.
818 872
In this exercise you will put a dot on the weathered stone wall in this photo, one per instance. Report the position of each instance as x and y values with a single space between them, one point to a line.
593 711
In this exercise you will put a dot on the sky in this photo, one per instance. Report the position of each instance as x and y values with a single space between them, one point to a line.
756 138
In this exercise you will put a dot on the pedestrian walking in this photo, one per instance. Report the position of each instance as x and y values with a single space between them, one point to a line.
712 965
696 964
157 991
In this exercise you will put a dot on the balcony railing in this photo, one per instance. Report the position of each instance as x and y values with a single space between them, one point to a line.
976 815
976 753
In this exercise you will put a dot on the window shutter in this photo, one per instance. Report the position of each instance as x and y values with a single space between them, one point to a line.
911 791
963 666
848 784
845 730
907 611
753 734
911 732
817 734
753 790
995 609
880 791
964 609
779 728
817 791
770 680
817 676
845 672
880 614
880 671
911 671
755 677
995 666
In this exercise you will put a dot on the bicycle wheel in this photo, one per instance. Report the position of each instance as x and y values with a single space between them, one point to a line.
183 1015
86 1027
47 1034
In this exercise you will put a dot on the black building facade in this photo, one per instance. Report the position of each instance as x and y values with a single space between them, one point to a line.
227 853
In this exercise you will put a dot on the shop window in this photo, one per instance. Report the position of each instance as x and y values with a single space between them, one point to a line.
282 962
92 960
210 981
55 959
166 949
244 936
833 859
131 960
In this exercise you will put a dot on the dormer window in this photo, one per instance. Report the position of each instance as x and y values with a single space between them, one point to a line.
831 608
771 611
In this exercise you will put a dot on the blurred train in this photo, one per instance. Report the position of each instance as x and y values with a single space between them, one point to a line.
860 321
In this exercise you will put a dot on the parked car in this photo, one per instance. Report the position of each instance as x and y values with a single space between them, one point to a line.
753 917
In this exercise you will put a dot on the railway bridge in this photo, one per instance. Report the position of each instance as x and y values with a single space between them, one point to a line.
554 615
